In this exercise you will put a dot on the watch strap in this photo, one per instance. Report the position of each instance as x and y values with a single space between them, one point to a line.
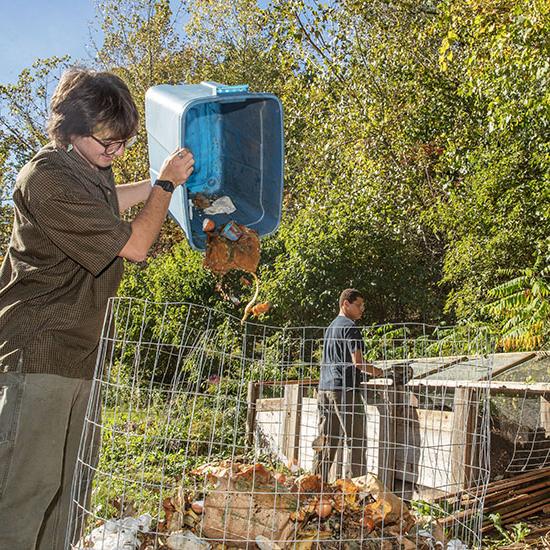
166 185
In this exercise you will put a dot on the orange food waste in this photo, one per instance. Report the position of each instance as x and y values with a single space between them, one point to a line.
323 508
367 522
260 309
198 506
208 225
308 483
223 255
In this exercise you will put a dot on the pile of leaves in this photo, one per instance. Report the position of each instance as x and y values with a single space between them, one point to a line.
239 505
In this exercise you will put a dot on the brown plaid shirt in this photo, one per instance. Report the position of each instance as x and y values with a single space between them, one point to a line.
61 265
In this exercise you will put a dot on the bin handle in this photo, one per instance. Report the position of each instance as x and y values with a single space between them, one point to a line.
221 89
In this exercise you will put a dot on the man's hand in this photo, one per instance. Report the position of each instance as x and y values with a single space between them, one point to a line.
369 368
359 362
177 167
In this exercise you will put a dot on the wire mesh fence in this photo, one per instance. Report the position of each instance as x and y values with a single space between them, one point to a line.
532 438
206 432
526 416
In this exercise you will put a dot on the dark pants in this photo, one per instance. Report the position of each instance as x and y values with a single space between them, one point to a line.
342 422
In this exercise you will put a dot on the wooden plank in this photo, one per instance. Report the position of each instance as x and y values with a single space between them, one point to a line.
545 413
309 430
292 404
304 382
494 387
408 440
515 360
465 419
439 420
506 388
387 437
522 505
497 487
251 400
337 468
518 480
513 500
409 472
270 404
512 517
503 494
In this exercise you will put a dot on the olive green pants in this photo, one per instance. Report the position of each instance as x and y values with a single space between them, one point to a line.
41 421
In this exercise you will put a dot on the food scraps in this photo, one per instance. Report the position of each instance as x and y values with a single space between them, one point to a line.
229 505
208 225
201 201
230 246
223 255
260 309
231 231
235 247
223 205
243 503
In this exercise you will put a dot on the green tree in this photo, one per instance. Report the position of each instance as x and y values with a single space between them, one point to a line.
521 305
23 115
497 207
416 142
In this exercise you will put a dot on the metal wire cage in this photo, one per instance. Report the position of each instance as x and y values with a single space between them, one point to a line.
525 417
206 432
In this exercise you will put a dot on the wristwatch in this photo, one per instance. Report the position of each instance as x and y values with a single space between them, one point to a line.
166 185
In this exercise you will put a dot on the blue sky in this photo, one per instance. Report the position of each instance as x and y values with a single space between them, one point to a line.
40 28
31 29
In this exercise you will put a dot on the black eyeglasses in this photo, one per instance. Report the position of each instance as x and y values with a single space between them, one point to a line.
112 147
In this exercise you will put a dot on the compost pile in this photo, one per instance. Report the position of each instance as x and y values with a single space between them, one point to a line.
244 505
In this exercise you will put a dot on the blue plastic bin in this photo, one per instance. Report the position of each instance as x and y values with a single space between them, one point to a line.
236 138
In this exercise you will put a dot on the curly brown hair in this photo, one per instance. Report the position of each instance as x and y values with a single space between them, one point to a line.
86 100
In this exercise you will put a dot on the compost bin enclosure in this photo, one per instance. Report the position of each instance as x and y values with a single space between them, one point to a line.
202 428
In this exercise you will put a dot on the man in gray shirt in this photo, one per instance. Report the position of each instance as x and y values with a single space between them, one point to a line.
341 403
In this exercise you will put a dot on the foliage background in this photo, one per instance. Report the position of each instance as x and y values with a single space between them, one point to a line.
417 152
